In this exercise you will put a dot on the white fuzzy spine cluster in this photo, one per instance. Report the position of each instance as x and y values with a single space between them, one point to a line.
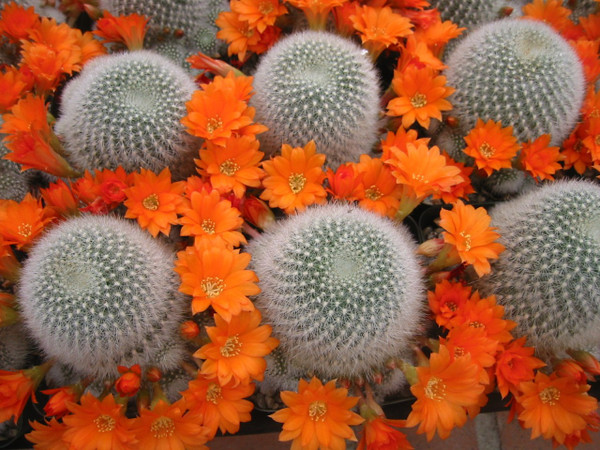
342 289
96 292
319 86
548 278
521 73
125 109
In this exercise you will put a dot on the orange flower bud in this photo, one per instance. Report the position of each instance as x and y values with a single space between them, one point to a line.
257 212
16 389
153 374
570 368
431 247
129 382
586 360
57 405
189 329
343 182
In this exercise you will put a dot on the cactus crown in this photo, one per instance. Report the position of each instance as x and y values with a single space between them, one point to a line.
472 13
519 72
97 291
548 278
341 288
319 86
125 109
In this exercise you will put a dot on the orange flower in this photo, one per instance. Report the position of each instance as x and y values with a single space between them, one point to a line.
316 11
57 404
460 190
380 28
215 115
153 200
13 84
443 391
29 114
128 384
397 142
377 190
515 364
555 407
447 299
539 159
468 230
344 183
96 424
378 434
17 387
47 436
108 185
59 198
258 13
295 179
588 54
437 35
22 222
421 96
318 416
222 406
237 33
424 170
232 167
492 146
168 426
211 219
16 22
216 276
576 154
125 29
240 85
416 51
237 349
89 45
549 11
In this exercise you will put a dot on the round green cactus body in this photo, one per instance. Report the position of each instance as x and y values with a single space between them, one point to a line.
472 13
518 72
342 289
548 278
97 292
319 86
125 110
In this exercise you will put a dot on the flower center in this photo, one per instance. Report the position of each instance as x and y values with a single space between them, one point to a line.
213 393
213 123
105 423
232 347
151 202
418 100
458 352
212 286
550 396
373 193
162 427
452 306
296 182
24 230
487 150
597 139
467 238
317 410
435 389
420 178
265 8
228 168
476 324
208 226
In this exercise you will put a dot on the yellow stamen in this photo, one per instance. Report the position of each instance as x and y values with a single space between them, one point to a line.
24 230
265 8
550 396
467 238
228 168
105 423
151 202
162 427
296 182
213 393
418 100
435 389
487 150
212 286
373 193
317 410
208 226
213 123
232 347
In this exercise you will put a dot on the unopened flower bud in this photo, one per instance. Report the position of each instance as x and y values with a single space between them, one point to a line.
431 248
153 375
129 382
189 329
586 360
257 212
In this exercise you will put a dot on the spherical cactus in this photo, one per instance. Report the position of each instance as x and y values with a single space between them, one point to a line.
472 13
97 292
319 86
505 182
125 109
14 347
519 72
342 289
548 278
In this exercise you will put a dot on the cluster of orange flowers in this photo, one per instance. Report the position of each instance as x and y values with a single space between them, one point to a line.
479 353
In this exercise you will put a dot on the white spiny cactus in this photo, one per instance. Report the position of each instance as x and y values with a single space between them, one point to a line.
342 289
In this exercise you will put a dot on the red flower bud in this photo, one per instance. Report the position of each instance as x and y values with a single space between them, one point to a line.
57 405
153 374
257 212
189 329
129 382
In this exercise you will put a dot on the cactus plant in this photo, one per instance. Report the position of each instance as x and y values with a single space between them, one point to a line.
548 278
125 109
96 291
14 347
472 13
341 287
319 86
519 72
